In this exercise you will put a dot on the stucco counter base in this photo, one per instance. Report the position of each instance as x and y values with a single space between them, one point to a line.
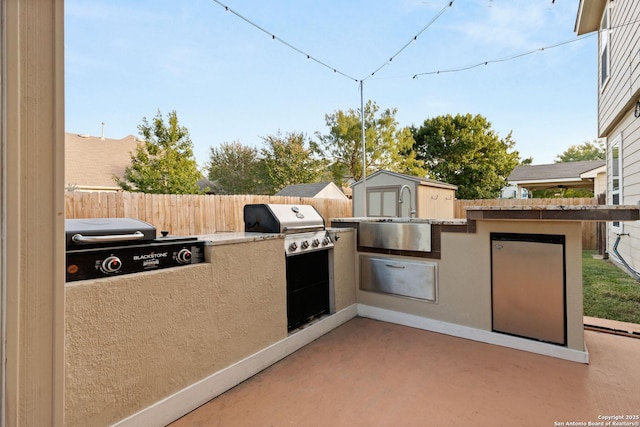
146 348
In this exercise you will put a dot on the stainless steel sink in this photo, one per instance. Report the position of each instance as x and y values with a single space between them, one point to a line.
397 235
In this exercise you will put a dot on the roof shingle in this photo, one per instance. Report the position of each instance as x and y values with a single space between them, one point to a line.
91 162
554 171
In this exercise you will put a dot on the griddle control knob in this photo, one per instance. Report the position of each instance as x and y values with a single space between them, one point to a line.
184 256
111 264
304 244
293 246
315 243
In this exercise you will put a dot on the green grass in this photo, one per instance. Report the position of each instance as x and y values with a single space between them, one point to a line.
609 292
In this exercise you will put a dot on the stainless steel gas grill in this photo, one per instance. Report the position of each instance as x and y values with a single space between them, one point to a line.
302 226
103 247
309 256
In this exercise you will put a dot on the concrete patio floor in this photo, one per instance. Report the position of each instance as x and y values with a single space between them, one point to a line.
372 373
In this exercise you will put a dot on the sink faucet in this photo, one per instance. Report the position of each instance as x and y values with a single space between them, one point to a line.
412 211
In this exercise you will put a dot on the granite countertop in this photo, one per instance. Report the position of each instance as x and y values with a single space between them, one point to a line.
225 238
527 212
229 237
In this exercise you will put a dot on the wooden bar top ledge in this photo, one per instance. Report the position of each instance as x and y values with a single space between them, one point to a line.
556 213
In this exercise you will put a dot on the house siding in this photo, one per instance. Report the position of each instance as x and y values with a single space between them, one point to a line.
616 103
623 87
629 130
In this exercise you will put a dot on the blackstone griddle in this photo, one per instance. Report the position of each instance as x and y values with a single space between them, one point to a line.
104 247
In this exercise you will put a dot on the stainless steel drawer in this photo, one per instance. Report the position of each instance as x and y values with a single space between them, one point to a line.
413 279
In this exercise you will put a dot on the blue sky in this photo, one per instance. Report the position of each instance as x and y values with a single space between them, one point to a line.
229 81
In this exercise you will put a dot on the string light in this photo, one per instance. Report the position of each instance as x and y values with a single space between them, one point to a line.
519 55
413 39
494 61
289 45
335 70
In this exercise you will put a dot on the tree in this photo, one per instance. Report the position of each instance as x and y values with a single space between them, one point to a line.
164 162
465 151
594 150
562 193
235 169
526 162
286 161
387 145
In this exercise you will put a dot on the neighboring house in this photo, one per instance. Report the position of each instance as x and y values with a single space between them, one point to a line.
206 186
92 161
618 25
318 190
384 190
589 174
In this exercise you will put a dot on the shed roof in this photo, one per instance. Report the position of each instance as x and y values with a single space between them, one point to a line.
417 179
91 162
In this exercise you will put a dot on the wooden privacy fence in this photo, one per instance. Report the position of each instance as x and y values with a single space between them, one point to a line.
185 215
589 228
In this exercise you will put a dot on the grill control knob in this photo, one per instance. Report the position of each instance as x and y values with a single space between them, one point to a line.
326 241
315 243
184 256
111 264
304 244
293 246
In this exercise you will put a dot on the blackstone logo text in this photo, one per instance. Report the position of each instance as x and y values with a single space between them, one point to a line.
151 256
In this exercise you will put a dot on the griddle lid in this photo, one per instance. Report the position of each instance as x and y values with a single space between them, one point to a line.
79 232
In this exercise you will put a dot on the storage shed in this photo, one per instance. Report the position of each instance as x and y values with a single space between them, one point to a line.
429 198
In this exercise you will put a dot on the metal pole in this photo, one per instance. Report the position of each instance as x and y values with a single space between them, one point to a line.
364 152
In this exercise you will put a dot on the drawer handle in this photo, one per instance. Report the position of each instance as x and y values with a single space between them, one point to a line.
395 266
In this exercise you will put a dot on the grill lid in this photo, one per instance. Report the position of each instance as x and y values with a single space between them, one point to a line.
96 231
287 219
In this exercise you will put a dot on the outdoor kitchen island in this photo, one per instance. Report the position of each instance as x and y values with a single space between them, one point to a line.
464 297
147 348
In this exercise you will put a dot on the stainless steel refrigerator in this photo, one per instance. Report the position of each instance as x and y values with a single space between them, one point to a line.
528 286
